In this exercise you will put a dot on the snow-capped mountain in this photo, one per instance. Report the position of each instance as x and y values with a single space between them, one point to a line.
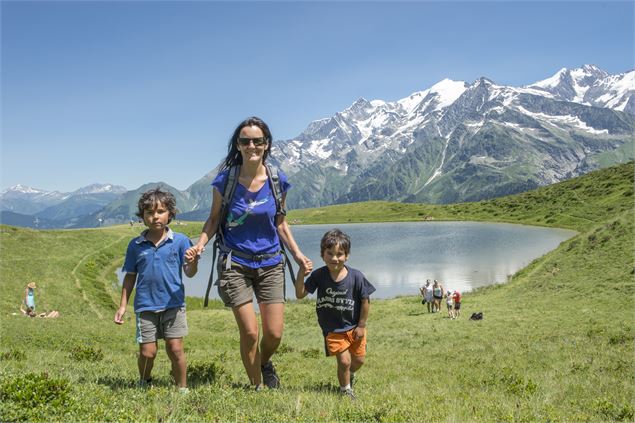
461 142
26 200
123 208
54 205
455 141
592 86
100 189
83 201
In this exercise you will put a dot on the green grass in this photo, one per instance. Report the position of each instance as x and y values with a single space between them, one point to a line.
556 343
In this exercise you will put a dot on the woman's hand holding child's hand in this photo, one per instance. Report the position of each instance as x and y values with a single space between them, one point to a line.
304 263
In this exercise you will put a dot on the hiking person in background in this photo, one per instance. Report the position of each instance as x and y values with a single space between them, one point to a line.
456 296
437 295
449 301
155 261
251 260
29 296
423 296
427 295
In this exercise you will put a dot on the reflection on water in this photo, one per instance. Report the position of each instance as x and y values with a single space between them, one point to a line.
398 257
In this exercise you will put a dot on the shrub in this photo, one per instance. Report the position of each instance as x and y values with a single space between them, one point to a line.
515 384
86 353
284 348
204 372
17 355
33 396
613 412
311 353
620 338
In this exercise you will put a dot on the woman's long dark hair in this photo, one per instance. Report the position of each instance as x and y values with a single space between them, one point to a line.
233 155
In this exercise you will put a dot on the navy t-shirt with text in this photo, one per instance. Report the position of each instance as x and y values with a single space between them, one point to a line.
338 304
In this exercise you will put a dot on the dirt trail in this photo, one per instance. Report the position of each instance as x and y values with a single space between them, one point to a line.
78 284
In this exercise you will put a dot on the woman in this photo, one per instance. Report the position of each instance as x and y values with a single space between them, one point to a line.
251 261
437 294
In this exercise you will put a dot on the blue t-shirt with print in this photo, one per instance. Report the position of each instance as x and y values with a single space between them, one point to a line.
338 304
250 226
159 269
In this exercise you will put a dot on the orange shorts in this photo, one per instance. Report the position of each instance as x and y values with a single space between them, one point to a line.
335 343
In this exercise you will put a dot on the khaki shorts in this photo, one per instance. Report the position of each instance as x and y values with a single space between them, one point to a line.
238 284
335 343
166 324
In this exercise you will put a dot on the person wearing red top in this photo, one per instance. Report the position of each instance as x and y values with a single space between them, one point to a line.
457 303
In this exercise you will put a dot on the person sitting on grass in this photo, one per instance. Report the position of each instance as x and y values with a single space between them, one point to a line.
29 296
155 261
342 306
29 312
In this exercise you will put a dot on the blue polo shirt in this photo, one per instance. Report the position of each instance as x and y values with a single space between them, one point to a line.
159 271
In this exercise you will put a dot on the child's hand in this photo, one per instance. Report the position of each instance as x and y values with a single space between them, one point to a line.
306 270
119 315
192 258
193 253
359 333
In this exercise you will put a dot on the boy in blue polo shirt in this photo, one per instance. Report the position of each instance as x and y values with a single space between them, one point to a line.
154 261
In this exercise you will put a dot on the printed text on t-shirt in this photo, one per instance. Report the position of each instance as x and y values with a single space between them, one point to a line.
331 300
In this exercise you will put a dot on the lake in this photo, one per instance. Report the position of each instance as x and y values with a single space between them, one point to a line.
397 258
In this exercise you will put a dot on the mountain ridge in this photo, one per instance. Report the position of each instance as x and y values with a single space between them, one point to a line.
453 142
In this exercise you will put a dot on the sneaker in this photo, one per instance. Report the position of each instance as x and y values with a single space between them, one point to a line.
269 375
184 391
347 393
259 388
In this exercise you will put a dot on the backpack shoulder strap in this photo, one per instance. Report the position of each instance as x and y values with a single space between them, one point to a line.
228 194
276 187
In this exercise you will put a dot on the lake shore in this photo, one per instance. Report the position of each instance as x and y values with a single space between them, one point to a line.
556 341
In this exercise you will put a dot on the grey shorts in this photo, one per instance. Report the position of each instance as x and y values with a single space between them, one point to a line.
238 284
167 324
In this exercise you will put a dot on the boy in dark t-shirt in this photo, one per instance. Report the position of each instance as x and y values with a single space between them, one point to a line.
342 305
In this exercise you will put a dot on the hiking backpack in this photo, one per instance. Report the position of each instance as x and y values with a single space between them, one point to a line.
228 193
477 316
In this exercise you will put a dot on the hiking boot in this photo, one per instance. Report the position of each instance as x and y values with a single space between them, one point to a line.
348 392
269 375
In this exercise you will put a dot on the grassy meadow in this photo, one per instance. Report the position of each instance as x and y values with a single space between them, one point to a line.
556 342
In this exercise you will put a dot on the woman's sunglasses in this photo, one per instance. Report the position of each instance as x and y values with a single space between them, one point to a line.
257 141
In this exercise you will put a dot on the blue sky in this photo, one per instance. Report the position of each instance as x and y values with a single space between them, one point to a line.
136 92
